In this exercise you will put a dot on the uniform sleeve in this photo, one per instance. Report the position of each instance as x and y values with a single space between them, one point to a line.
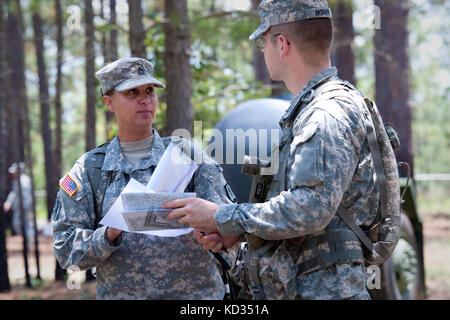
322 161
76 242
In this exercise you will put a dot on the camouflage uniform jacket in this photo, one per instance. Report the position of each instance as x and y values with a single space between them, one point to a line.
328 164
138 266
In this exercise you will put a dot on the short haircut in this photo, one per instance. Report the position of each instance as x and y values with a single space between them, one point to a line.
312 38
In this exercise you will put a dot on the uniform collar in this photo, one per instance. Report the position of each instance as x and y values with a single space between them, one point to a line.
306 94
116 161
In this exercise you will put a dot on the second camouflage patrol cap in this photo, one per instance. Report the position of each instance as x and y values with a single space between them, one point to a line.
126 73
273 12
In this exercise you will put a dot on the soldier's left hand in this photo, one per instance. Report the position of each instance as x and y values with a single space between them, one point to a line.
211 241
214 241
196 212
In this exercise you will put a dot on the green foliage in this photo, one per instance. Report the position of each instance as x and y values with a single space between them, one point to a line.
222 73
221 61
430 86
364 57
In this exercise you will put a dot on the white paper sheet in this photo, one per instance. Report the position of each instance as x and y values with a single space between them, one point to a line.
172 174
113 218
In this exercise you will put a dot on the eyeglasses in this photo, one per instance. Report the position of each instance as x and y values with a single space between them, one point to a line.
261 42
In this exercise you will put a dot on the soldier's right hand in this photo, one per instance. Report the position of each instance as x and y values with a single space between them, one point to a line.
112 234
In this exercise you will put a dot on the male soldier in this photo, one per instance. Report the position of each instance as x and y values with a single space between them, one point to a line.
299 248
13 202
132 265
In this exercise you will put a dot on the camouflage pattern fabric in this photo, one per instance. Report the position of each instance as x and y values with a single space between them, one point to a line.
137 266
126 73
328 164
274 12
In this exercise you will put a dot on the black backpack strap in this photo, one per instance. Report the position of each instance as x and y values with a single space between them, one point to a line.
94 171
355 228
381 182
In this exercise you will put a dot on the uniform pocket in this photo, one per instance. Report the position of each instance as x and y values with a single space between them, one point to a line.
304 135
306 157
277 272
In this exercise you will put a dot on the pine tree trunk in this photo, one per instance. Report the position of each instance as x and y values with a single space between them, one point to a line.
59 272
392 73
113 47
4 278
178 70
58 105
90 88
105 52
18 103
90 77
51 181
16 61
344 57
103 40
137 32
16 53
50 174
112 55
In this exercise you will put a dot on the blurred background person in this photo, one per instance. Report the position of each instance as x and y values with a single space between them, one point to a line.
12 203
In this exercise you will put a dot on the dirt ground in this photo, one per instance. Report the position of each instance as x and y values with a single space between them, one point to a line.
437 267
437 256
47 288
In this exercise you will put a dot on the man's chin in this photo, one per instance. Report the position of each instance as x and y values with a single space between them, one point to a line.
274 77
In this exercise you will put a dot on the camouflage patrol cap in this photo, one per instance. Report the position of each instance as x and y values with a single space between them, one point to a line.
273 12
126 73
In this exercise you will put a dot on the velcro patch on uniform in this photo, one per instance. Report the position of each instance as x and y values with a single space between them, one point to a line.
69 185
305 134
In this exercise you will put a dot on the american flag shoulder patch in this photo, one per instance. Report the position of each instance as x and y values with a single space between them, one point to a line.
69 185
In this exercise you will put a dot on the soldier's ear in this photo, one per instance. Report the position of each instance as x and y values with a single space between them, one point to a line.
108 102
283 45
